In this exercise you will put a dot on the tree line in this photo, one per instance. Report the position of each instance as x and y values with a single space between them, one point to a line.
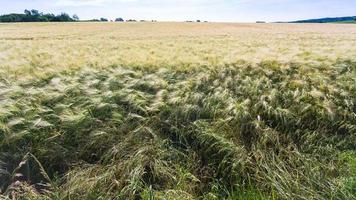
327 20
36 16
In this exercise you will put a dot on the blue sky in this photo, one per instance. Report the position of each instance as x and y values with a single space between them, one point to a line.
181 10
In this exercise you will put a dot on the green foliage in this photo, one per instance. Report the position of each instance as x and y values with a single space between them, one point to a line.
350 158
329 20
265 131
36 16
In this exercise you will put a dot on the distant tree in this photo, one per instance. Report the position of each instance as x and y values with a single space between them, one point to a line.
75 17
63 17
104 19
35 12
43 18
12 18
119 19
49 17
198 20
36 16
27 12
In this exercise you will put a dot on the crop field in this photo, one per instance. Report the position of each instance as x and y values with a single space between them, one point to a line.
177 111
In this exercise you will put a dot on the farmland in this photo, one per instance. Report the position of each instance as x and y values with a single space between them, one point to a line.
177 111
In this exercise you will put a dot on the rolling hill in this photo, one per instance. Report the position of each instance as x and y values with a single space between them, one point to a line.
351 19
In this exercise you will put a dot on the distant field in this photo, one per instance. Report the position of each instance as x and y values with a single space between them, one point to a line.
177 111
32 49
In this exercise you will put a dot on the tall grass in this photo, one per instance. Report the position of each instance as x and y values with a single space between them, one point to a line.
245 131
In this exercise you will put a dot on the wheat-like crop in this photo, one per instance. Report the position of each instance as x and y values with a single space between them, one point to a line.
181 111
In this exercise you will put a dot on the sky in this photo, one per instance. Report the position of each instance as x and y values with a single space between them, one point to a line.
182 10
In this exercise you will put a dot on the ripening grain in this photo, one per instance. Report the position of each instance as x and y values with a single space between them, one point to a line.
177 111
28 50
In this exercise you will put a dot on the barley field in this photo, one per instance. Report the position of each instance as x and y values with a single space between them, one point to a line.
177 111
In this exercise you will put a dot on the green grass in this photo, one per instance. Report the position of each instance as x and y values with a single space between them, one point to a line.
350 181
240 131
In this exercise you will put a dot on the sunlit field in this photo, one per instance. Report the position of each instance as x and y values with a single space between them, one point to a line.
32 50
177 111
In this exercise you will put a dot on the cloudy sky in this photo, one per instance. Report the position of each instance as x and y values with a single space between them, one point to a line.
181 10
